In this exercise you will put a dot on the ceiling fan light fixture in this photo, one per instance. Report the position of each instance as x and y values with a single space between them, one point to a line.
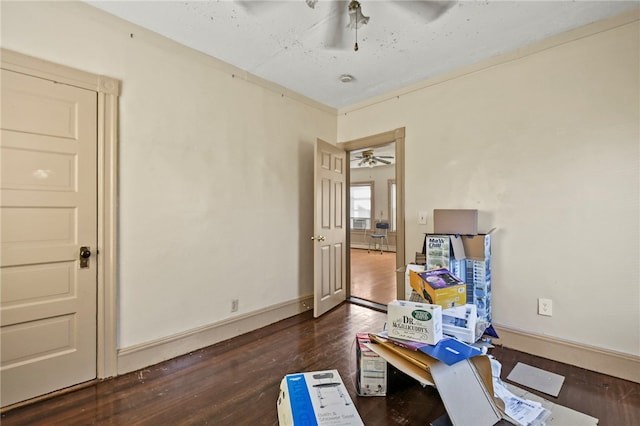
356 18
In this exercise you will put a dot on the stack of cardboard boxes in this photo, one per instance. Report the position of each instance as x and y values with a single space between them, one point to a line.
456 246
449 297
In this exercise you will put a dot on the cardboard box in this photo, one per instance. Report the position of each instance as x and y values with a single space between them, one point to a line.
407 282
477 247
460 322
316 398
442 250
471 263
371 376
419 322
478 404
455 221
439 287
477 272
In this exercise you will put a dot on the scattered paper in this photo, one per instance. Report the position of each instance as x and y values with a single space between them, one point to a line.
523 411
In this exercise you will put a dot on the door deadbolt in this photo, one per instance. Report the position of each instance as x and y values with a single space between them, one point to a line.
85 254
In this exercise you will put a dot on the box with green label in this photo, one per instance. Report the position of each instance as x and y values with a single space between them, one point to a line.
419 322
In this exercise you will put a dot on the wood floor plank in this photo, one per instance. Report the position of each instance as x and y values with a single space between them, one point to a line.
373 275
236 382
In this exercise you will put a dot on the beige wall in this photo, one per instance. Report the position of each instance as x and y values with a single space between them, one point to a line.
546 145
215 171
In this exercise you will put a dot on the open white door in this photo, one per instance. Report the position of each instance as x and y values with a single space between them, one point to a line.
329 239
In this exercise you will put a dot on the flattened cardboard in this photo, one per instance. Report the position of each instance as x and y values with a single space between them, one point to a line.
404 364
447 350
455 221
466 399
560 415
536 378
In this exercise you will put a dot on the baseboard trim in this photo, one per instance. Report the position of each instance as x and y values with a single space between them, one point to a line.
612 363
149 353
362 246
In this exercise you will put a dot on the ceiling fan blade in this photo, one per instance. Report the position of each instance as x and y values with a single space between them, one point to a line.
431 10
335 37
384 156
254 7
381 160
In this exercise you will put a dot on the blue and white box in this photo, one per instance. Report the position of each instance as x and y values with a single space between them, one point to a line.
317 398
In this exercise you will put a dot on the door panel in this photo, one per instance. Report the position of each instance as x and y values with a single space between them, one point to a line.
49 209
330 233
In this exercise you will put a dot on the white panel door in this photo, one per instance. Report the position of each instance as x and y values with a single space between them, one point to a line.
48 155
329 227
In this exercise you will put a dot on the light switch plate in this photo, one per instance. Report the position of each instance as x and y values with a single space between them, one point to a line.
422 218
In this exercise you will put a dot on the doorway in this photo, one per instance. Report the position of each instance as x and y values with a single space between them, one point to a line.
376 195
59 144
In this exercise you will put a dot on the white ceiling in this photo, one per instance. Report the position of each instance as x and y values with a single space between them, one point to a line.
405 42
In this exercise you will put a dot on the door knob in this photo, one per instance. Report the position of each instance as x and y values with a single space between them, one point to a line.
85 254
318 238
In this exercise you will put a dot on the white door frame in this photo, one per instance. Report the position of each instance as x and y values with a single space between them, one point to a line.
108 90
397 136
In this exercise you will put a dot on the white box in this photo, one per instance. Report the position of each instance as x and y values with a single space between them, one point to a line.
460 322
316 398
371 369
420 322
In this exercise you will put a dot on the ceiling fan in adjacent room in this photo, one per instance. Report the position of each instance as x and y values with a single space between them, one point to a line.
368 159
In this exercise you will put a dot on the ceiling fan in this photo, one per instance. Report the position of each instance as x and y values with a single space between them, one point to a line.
369 159
341 10
429 10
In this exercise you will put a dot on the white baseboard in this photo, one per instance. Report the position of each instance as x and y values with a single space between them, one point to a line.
149 353
612 363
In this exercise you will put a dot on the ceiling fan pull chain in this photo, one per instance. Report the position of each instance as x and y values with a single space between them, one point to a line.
355 47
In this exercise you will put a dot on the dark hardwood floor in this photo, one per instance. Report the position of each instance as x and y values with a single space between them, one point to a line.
236 382
373 275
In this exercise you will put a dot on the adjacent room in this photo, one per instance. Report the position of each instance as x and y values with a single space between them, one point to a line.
202 197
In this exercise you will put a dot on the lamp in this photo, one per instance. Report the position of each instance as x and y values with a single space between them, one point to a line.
356 19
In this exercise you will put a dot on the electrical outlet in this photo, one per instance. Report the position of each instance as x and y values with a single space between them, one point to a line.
234 305
545 307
